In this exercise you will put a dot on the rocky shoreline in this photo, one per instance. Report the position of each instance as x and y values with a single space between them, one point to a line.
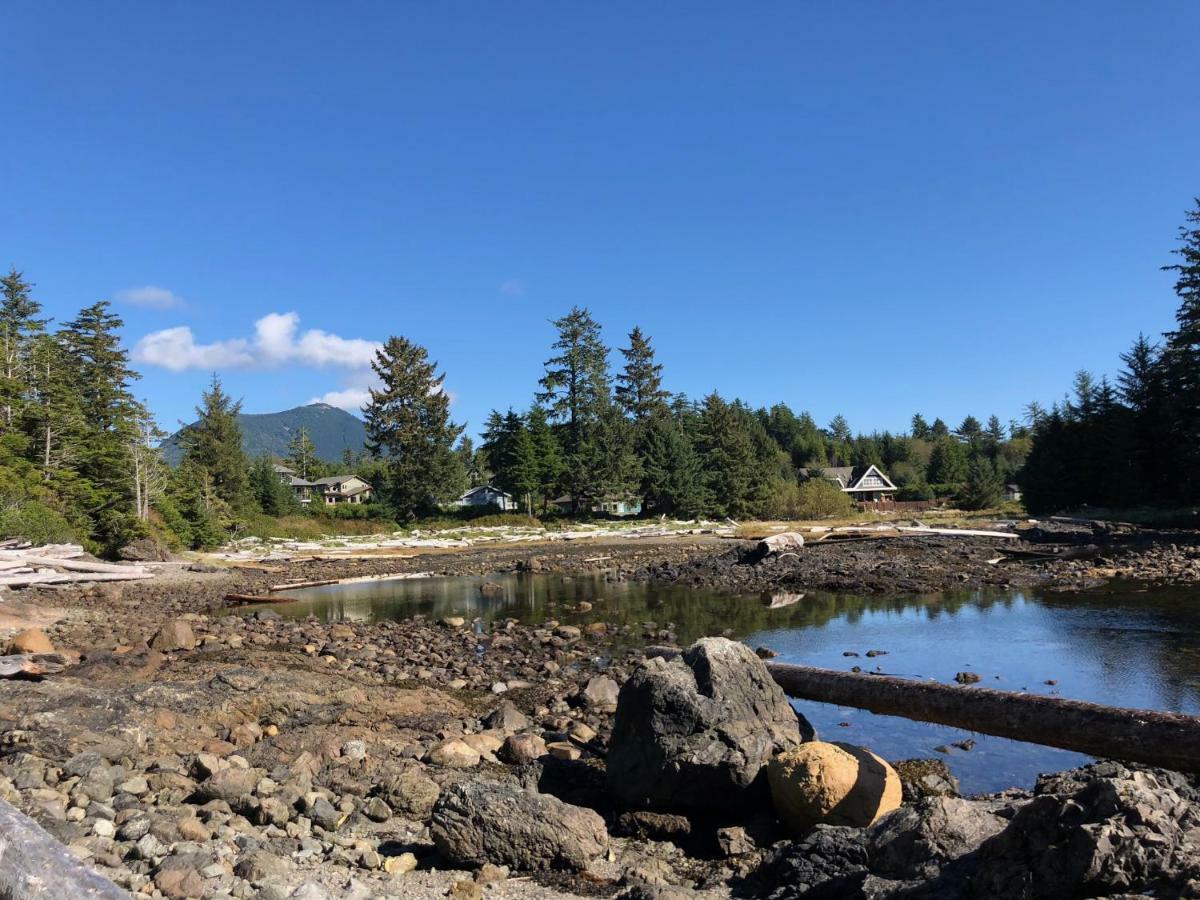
197 752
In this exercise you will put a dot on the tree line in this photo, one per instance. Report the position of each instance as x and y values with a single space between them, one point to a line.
593 434
1135 442
80 457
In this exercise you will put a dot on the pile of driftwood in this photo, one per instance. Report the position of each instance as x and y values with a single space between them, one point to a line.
22 565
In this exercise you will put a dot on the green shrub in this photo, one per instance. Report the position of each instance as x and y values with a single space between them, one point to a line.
917 491
37 523
816 498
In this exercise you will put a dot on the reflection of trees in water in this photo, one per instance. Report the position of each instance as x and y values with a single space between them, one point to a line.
1152 635
1132 632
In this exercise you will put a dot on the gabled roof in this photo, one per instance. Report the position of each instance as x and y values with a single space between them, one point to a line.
485 488
283 470
850 477
300 482
337 479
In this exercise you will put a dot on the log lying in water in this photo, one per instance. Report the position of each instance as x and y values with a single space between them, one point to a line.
1170 740
249 599
33 864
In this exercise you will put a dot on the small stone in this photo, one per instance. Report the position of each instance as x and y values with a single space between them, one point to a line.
399 865
377 810
519 749
355 750
136 786
967 678
601 693
455 755
453 621
174 635
103 828
31 640
564 750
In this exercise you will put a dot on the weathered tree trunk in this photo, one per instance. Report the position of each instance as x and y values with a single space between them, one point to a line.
1170 740
35 865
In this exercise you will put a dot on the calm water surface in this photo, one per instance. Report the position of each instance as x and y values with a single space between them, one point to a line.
1121 646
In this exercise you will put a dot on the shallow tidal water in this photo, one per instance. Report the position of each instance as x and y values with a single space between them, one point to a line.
1124 646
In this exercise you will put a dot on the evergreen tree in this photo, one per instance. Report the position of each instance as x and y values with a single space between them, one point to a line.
548 454
970 429
213 446
735 482
576 389
54 417
103 486
938 429
920 428
269 491
947 462
1181 364
983 487
639 386
302 454
19 327
408 425
671 472
840 437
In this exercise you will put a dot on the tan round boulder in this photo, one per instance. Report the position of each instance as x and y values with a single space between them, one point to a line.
831 784
31 640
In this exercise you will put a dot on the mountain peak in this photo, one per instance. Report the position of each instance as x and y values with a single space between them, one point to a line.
332 430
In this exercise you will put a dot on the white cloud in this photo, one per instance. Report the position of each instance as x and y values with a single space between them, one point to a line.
176 349
275 343
351 399
513 287
152 296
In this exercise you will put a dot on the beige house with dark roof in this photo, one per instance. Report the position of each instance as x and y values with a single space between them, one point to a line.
860 482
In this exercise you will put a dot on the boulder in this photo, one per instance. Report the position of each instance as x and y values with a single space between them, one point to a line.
233 785
915 841
31 640
174 635
490 822
831 784
696 733
410 792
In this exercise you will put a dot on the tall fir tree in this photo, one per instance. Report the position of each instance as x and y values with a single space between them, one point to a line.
576 391
409 427
639 389
20 325
672 478
213 446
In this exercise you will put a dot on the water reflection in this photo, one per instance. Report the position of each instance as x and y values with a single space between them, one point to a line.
1120 646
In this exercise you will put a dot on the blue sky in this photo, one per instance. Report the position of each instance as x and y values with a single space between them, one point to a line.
869 209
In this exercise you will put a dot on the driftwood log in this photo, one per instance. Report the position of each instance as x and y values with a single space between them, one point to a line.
1170 740
31 665
247 599
35 865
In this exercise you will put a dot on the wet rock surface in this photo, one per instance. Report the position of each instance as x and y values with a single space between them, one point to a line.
260 756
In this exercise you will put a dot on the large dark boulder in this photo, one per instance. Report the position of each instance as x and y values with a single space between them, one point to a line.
492 822
694 734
